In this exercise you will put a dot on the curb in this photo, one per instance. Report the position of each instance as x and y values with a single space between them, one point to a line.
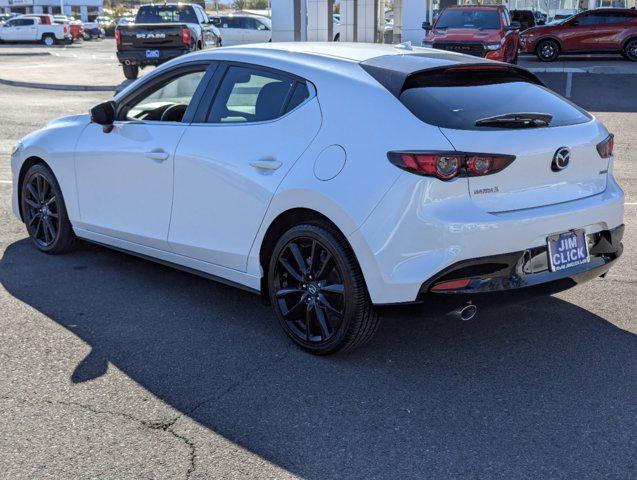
25 54
70 88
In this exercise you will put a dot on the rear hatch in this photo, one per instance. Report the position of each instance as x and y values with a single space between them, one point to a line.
151 36
504 110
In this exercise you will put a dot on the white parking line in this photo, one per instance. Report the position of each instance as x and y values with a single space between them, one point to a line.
6 181
569 84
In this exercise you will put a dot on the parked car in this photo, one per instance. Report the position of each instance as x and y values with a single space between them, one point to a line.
93 30
607 30
30 29
245 165
237 29
107 23
525 18
479 30
162 32
4 17
75 26
540 17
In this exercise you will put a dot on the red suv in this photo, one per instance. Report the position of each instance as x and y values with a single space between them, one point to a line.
604 30
479 30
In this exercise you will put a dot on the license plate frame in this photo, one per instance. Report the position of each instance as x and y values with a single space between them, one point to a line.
152 53
570 248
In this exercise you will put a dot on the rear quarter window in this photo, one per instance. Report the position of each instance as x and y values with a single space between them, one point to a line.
458 99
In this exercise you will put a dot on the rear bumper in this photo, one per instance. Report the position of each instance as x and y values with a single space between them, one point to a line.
411 239
529 268
138 57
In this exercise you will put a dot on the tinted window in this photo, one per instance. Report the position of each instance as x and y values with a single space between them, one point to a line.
457 100
250 95
455 18
166 14
232 22
299 95
176 94
619 17
591 19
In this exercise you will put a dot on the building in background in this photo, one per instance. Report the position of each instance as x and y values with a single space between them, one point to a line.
84 10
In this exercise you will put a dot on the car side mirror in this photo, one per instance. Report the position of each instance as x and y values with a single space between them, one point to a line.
514 26
262 27
426 26
104 114
541 22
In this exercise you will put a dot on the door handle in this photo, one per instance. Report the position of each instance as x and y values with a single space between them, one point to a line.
158 154
266 164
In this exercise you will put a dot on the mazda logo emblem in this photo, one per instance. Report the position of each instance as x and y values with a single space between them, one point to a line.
561 159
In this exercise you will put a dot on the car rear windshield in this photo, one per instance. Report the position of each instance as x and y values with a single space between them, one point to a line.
166 14
459 97
456 18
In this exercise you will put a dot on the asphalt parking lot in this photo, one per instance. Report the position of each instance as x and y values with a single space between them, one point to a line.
113 367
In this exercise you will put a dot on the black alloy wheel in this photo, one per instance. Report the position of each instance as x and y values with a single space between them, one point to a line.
630 50
44 212
318 292
547 50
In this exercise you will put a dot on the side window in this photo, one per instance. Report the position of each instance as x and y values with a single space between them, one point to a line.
619 17
299 95
166 103
591 19
250 95
250 23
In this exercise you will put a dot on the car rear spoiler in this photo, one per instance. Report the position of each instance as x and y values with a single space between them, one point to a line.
394 71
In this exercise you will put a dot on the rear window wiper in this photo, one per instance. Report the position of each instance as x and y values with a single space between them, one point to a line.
516 120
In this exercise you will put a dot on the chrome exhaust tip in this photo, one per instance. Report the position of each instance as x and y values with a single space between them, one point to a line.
465 312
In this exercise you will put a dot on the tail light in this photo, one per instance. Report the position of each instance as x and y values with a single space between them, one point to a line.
605 148
185 36
64 29
118 38
447 165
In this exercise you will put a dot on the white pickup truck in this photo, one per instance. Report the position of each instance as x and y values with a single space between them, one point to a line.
31 29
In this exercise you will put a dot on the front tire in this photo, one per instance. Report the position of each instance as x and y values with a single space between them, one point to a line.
44 211
630 50
131 72
318 292
547 50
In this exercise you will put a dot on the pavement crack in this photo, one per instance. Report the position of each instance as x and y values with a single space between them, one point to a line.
163 425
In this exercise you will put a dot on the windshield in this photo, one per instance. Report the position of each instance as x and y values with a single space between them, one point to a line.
456 18
166 14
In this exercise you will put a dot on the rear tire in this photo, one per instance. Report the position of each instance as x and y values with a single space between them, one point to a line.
131 72
317 290
48 39
44 211
630 50
547 50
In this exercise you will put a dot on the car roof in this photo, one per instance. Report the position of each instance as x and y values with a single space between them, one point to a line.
474 7
334 52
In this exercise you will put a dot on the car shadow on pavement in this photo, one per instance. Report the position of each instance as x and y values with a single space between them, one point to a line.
544 390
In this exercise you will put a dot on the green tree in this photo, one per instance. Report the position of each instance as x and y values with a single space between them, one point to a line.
239 4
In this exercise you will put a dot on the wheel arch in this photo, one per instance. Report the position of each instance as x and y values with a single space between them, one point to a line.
279 225
549 37
26 165
625 42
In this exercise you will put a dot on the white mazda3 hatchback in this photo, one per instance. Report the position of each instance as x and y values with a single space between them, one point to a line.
333 178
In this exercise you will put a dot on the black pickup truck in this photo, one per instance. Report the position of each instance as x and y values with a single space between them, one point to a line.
162 32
